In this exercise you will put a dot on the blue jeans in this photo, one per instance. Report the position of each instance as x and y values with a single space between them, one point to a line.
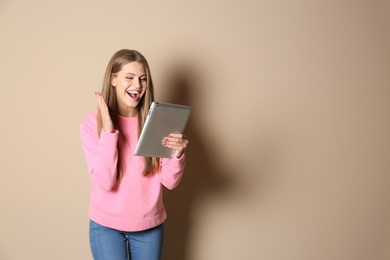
111 244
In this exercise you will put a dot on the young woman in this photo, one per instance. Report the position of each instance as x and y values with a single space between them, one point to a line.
126 210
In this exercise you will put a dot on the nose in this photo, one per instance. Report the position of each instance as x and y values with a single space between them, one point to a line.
137 83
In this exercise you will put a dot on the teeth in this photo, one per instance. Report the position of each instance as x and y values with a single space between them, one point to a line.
133 93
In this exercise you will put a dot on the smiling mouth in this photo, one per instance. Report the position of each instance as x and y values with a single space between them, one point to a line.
133 94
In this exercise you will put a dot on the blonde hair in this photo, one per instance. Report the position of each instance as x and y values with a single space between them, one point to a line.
117 61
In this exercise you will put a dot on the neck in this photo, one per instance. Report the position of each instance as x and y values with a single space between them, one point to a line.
128 112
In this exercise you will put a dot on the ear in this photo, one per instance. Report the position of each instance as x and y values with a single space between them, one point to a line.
113 80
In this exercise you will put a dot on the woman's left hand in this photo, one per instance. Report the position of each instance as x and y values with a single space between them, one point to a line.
178 142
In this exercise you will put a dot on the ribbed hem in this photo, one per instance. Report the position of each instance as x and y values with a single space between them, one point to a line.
127 225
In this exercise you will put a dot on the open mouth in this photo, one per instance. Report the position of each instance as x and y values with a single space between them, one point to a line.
133 94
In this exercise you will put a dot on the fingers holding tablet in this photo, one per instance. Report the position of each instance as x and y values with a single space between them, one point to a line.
177 142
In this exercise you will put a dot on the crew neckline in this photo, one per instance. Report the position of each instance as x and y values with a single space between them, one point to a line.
126 117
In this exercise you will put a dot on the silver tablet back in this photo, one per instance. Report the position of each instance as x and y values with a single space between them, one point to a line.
162 120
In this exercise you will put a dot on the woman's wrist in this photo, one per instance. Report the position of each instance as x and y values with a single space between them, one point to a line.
109 130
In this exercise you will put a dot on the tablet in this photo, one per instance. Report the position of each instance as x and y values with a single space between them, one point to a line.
162 120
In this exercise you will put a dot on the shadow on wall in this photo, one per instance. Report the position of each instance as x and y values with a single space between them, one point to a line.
203 176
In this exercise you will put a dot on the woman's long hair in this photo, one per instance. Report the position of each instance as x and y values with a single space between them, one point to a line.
118 60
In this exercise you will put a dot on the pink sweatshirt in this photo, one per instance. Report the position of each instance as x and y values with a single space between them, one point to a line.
135 202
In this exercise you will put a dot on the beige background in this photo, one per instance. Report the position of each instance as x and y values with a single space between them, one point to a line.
290 149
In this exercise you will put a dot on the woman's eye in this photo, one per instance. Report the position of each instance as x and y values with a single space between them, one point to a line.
143 79
129 78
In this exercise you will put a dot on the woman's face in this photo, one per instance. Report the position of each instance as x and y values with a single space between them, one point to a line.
130 84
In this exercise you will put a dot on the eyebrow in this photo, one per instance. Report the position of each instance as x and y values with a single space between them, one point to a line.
134 74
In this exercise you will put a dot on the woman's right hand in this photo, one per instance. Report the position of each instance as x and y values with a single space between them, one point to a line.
108 126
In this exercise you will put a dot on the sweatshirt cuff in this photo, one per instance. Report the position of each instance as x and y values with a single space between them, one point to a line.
174 161
109 138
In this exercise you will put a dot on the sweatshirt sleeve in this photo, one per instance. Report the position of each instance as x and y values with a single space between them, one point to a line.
172 171
101 154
